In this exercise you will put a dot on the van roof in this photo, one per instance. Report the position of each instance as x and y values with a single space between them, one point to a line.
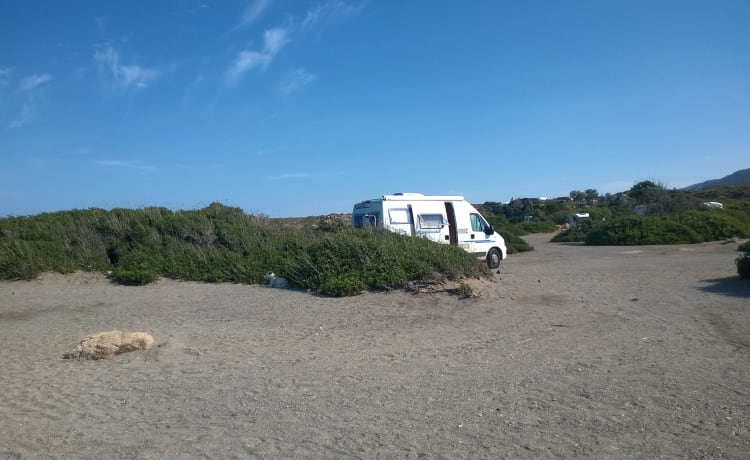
421 197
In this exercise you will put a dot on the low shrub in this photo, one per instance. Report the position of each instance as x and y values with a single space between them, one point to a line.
641 230
536 226
464 291
514 243
348 261
687 227
511 233
222 244
341 285
575 234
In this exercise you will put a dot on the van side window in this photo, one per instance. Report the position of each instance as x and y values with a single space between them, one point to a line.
477 223
399 216
431 221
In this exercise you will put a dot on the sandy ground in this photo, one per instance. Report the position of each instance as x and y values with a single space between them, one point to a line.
599 352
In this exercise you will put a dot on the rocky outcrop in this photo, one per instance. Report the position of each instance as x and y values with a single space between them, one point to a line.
105 345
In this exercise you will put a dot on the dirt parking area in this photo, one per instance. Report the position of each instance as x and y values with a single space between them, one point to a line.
572 351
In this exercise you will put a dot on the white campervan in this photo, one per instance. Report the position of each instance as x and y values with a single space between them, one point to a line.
443 219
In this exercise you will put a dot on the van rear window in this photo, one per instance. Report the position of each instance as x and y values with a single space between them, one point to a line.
431 221
365 220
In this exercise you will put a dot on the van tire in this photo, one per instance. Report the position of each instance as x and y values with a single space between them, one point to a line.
494 256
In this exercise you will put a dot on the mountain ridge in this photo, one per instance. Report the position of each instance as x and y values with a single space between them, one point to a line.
741 176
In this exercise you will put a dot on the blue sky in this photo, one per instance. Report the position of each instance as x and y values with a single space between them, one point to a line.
294 108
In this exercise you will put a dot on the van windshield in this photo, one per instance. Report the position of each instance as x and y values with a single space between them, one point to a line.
478 224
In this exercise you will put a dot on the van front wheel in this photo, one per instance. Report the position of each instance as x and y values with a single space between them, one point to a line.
494 256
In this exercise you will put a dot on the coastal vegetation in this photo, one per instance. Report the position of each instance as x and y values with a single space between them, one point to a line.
322 254
648 213
222 244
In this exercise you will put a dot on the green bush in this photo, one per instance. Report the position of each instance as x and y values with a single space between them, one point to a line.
20 259
464 291
348 261
744 247
341 285
136 276
575 234
515 244
511 233
222 244
687 227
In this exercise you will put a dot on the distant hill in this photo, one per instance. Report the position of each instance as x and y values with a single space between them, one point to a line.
736 178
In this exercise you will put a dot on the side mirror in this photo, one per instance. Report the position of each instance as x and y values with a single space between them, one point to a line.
489 230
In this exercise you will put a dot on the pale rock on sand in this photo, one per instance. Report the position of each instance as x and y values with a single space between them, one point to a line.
104 345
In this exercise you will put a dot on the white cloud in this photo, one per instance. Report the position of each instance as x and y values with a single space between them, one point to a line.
133 164
273 41
245 61
197 8
34 81
32 93
124 76
5 76
330 11
253 11
296 81
133 75
27 116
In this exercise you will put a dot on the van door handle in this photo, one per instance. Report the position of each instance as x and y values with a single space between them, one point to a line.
472 236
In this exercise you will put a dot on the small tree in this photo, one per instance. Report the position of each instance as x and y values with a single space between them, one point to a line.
577 195
591 194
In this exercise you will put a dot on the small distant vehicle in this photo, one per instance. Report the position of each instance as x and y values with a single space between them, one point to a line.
440 218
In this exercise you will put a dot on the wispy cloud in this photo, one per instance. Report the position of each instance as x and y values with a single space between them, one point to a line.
34 81
290 176
295 81
5 76
198 8
330 11
32 96
107 59
253 11
320 16
132 164
27 115
273 41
